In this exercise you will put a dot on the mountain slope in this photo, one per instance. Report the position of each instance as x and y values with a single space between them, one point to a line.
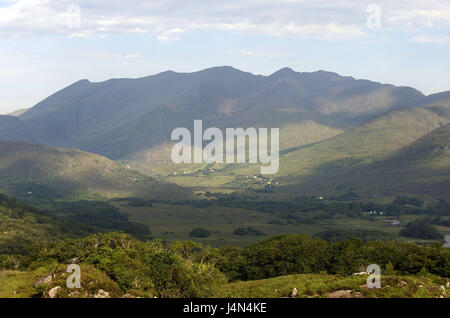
420 168
18 112
373 140
319 168
22 225
121 118
41 172
13 129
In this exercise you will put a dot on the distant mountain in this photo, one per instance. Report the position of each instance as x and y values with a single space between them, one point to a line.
18 112
13 129
32 171
442 98
123 118
375 139
421 168
349 161
401 151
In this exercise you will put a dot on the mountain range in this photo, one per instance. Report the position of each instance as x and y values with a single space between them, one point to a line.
330 125
120 117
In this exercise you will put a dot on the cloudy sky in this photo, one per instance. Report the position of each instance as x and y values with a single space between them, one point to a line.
46 45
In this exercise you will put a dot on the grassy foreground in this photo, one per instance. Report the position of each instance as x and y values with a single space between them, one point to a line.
15 284
333 286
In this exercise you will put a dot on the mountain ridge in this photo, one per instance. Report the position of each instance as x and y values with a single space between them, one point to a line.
119 118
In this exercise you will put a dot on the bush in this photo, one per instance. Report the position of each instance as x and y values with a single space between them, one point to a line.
248 231
200 233
153 268
421 229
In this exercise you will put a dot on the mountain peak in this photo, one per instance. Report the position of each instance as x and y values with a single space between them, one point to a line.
222 69
285 71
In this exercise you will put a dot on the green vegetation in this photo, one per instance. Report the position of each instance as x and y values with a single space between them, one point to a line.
364 235
22 225
200 233
421 229
146 269
248 231
41 175
331 218
99 215
335 286
36 244
122 265
298 254
408 201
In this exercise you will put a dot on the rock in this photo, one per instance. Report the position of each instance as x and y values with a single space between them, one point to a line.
403 284
340 294
54 291
293 293
444 292
74 293
102 294
361 273
126 296
43 280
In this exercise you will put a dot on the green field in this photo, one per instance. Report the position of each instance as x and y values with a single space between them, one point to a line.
174 222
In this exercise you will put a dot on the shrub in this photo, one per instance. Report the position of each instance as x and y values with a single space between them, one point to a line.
248 231
200 233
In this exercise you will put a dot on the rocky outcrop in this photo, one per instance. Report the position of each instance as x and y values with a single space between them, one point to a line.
54 291
43 280
340 294
102 294
293 293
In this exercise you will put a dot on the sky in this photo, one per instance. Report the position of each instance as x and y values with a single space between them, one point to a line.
46 45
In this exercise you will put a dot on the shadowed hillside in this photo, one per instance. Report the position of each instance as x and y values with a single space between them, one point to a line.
420 168
40 172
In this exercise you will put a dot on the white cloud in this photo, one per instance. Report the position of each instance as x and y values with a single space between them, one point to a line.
169 35
131 56
168 19
435 39
107 55
250 53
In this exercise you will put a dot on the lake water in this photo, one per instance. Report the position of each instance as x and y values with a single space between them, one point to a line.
447 241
